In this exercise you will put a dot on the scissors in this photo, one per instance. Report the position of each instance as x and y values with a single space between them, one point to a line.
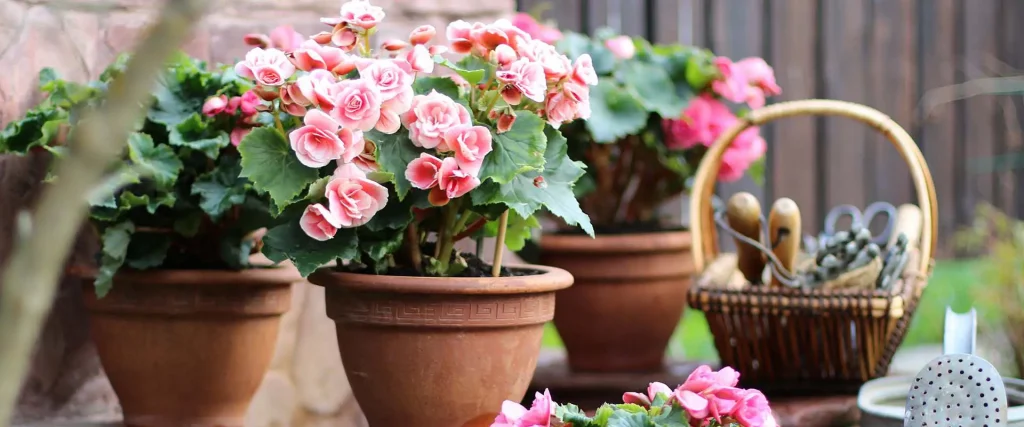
857 219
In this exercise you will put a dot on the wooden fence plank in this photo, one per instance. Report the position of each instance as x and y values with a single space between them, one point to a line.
845 33
1007 125
671 21
976 145
794 149
632 16
937 131
597 14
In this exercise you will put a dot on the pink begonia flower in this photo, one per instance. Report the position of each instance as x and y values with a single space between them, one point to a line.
488 37
322 140
361 13
315 88
753 410
422 34
249 103
536 30
701 123
356 104
323 37
515 415
747 81
285 38
583 70
420 60
458 33
395 87
652 392
454 181
470 144
289 105
504 55
743 152
344 38
561 108
527 77
438 49
238 133
422 171
312 56
556 66
268 67
707 392
215 105
431 116
367 160
622 47
759 74
352 198
319 223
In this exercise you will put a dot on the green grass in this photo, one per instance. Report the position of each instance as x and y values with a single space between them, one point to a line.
948 286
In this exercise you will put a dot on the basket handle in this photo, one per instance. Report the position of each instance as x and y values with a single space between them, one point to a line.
701 214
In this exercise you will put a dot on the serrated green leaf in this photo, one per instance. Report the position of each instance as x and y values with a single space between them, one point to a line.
473 63
194 133
671 416
268 161
172 104
158 162
396 214
442 85
394 152
147 250
288 241
551 189
37 128
377 245
603 413
570 413
317 189
615 113
115 247
220 189
649 82
625 418
129 200
517 151
471 76
518 231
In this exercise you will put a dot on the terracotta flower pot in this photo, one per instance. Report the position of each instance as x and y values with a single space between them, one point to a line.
188 347
439 352
628 297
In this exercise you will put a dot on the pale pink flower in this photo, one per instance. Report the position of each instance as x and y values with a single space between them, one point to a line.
352 198
315 88
323 37
583 70
504 55
652 392
345 38
437 49
356 104
431 116
458 33
759 74
422 34
361 13
322 140
238 133
470 144
395 87
290 105
622 47
753 410
319 223
556 66
515 415
454 181
367 160
419 59
422 171
285 38
490 36
526 76
268 67
312 56
747 81
748 147
560 108
215 105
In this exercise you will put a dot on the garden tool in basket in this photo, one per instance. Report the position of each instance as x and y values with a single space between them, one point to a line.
958 388
858 220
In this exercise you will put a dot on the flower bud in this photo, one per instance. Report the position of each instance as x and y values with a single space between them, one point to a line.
256 40
322 37
394 45
344 67
266 94
504 55
215 105
422 34
437 49
505 122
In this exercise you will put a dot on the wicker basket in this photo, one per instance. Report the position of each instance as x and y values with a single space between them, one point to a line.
817 341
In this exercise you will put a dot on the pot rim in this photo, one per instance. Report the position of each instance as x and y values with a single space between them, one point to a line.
658 241
551 279
257 275
887 388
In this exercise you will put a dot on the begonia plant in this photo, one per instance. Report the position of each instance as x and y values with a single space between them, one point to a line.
707 399
385 158
655 111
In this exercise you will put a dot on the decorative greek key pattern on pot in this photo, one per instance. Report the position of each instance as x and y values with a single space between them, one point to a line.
243 300
455 311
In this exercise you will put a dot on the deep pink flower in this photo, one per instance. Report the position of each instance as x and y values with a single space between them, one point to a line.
356 104
361 13
312 56
422 34
215 105
458 33
652 393
701 123
515 415
753 410
470 144
431 116
319 223
249 103
352 198
423 171
747 81
238 133
285 38
748 147
268 67
536 30
709 393
527 77
622 47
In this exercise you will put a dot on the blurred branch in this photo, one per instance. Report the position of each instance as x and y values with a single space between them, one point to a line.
44 239
985 86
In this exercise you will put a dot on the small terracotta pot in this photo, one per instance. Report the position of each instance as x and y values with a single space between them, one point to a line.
628 297
188 347
436 351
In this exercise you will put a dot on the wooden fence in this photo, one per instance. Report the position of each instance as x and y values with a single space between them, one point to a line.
887 54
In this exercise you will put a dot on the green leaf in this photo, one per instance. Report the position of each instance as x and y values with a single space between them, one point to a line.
649 82
471 76
147 250
47 75
288 241
603 413
442 85
671 416
615 113
394 152
517 151
37 128
130 200
187 223
518 231
756 171
318 189
195 134
159 162
179 94
570 413
115 246
268 161
395 214
551 189
220 189
378 245
624 418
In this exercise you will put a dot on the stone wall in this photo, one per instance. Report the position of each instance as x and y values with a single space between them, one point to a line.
306 385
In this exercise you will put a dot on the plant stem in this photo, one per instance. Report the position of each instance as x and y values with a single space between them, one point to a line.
499 244
476 225
277 122
29 281
447 239
412 238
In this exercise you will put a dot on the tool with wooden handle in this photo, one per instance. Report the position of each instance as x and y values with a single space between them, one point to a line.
744 214
784 232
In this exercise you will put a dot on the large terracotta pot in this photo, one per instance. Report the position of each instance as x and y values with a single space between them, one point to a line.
188 347
627 300
439 352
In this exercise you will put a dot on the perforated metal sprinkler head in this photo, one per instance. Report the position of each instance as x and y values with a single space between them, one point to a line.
958 388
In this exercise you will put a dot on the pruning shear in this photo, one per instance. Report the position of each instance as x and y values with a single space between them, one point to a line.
857 219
